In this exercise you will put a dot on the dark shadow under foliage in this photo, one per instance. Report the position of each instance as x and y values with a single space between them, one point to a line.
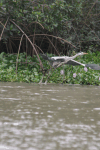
56 26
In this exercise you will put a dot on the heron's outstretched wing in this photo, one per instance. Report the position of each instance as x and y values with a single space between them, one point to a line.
74 63
52 59
61 58
93 66
44 56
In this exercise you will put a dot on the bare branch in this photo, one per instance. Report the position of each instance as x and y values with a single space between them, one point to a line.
29 41
18 53
3 29
56 38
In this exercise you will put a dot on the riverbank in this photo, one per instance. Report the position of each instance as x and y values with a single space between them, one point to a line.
28 70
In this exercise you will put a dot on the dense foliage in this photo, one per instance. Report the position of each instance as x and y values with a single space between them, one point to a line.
53 26
28 70
76 22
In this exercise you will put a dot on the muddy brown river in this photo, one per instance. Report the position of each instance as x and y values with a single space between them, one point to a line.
49 117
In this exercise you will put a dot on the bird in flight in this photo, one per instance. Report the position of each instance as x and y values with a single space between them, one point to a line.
57 61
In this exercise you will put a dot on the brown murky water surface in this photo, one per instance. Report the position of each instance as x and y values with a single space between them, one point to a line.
49 117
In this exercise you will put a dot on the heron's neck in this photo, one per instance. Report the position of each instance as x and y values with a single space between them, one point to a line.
73 57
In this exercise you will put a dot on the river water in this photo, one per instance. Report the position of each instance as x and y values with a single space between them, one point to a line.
49 117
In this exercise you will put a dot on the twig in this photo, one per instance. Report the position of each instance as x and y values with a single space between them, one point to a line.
18 52
93 31
3 29
29 41
90 10
37 23
56 38
95 14
77 37
39 48
53 45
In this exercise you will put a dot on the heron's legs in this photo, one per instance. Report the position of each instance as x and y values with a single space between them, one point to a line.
41 79
49 74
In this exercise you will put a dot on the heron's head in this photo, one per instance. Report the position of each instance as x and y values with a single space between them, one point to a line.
81 53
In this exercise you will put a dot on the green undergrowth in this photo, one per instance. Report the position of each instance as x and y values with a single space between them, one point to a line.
31 71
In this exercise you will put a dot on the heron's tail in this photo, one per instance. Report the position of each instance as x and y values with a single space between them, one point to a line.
93 66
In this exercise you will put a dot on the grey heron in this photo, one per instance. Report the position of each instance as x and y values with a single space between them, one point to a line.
57 61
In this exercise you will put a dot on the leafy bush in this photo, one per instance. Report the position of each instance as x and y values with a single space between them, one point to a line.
74 21
31 71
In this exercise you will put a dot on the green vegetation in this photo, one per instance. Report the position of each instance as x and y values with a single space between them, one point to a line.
58 27
31 71
54 26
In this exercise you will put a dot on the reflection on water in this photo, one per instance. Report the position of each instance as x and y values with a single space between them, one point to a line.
51 117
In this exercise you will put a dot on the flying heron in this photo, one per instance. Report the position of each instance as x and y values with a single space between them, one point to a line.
57 61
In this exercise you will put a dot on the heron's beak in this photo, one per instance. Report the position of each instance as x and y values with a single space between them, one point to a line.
85 53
